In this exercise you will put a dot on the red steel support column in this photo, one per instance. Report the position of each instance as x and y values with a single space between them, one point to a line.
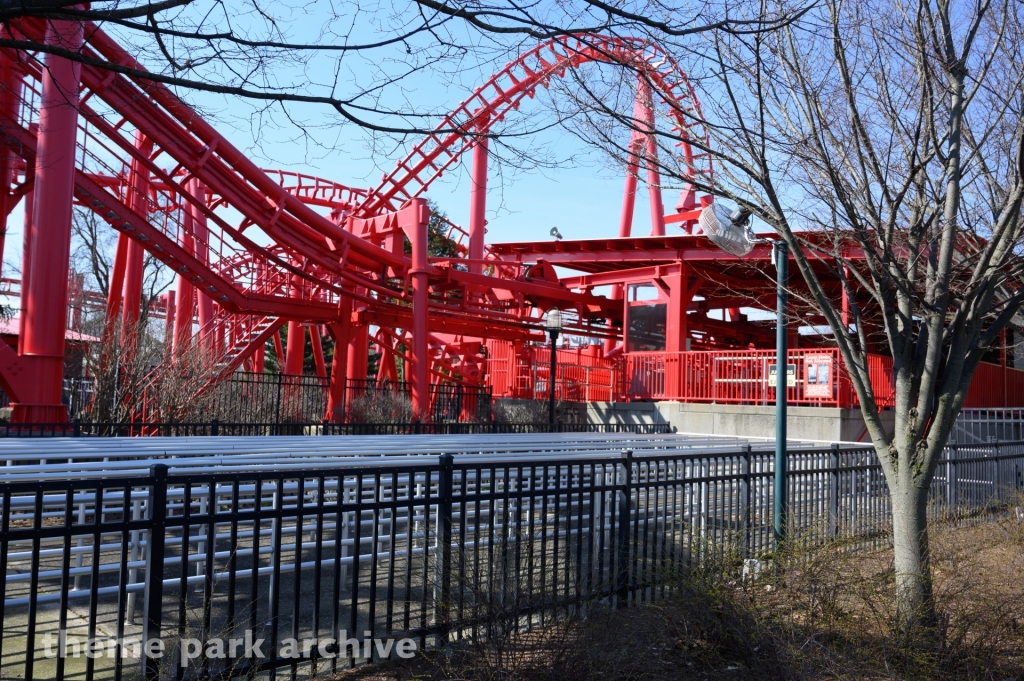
294 352
681 293
170 306
687 197
279 351
50 245
653 175
636 141
419 343
115 287
629 197
219 331
10 95
202 246
318 350
26 268
359 353
340 333
295 348
387 367
186 302
478 201
138 201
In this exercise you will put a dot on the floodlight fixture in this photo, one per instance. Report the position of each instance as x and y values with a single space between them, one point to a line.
730 231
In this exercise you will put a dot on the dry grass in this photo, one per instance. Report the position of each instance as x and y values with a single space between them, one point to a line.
828 615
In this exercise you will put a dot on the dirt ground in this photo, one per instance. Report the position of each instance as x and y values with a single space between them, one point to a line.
828 615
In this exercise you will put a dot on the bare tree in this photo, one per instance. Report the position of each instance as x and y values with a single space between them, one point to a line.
884 142
126 386
353 58
93 245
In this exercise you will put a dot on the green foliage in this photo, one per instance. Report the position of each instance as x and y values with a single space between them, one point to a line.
272 364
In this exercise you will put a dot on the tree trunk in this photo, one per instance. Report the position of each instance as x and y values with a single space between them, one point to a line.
914 602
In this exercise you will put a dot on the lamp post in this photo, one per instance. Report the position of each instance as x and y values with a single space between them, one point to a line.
554 327
781 253
731 232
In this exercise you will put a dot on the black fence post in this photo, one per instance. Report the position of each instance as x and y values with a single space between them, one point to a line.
277 399
951 479
833 492
622 533
998 477
215 427
745 500
444 512
77 431
154 597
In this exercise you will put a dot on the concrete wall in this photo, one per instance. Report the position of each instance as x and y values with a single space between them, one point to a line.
803 423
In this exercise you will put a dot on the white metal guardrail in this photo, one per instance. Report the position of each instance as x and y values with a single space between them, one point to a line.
293 542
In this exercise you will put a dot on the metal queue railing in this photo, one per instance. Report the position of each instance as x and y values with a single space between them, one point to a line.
78 428
427 547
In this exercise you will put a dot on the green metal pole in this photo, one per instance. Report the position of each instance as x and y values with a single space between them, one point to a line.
551 381
781 385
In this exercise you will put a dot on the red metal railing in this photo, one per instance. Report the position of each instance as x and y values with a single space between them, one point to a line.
581 376
880 373
722 377
740 377
573 383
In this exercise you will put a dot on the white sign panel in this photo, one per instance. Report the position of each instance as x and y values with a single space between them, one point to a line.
818 371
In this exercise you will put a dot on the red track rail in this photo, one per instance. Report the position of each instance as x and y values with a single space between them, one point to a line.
505 91
312 260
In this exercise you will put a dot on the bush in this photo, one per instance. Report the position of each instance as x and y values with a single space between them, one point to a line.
381 406
525 412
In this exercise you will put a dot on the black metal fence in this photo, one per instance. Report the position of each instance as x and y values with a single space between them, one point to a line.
244 397
431 550
262 398
449 402
79 428
981 426
254 398
76 393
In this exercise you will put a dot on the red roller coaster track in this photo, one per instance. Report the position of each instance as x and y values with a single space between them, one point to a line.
154 170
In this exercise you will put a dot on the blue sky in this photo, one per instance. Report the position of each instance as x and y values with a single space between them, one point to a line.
582 198
581 194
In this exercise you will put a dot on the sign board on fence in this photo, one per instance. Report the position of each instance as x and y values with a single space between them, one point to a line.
790 375
818 374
